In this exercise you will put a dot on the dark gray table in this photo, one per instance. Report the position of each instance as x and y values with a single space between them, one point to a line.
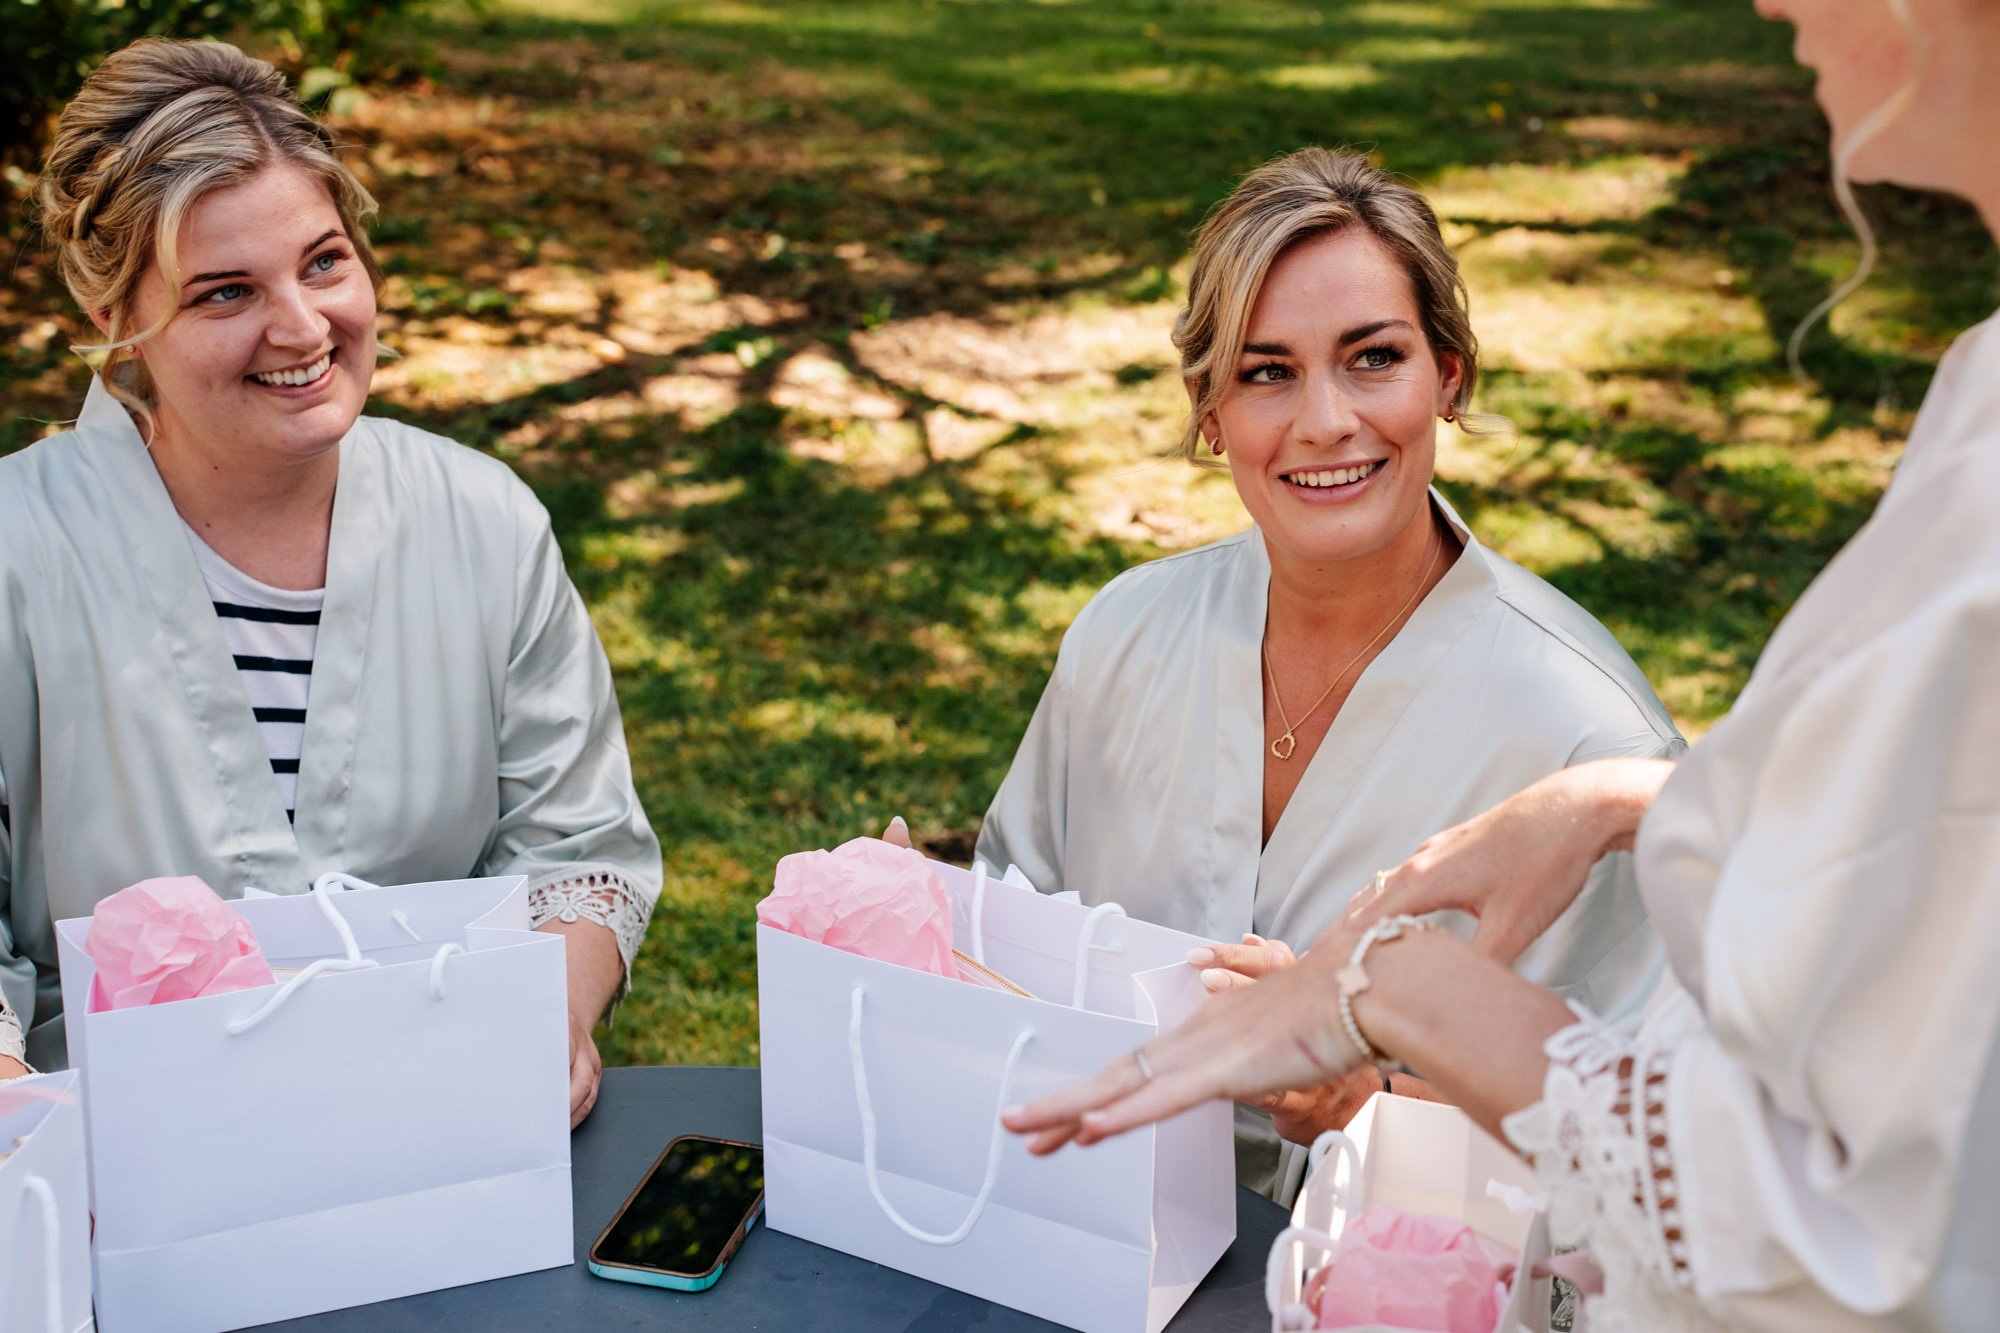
775 1282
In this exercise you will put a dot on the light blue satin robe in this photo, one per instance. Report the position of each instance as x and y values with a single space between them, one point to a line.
461 719
1140 779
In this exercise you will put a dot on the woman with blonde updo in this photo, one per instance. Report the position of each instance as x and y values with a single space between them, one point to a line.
1235 738
1800 1137
248 633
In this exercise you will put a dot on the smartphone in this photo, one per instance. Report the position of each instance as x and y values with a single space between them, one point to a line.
686 1218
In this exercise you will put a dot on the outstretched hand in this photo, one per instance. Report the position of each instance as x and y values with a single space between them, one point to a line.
1227 966
1519 866
1246 1042
1300 1115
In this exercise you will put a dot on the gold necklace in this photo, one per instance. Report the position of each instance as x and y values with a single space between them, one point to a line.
1283 746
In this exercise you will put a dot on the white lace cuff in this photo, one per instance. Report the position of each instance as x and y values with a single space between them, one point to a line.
13 1040
597 893
1600 1144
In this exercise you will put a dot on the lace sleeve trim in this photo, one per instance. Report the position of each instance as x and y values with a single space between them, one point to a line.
1600 1144
13 1040
599 894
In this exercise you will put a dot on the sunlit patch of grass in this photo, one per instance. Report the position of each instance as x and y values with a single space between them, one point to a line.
1342 77
1623 187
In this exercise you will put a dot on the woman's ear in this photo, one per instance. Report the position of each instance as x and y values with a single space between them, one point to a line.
102 319
1210 428
1451 378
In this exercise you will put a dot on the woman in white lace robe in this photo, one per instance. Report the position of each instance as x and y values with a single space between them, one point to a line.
1801 1136
460 719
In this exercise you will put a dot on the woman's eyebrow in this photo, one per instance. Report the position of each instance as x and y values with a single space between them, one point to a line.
1266 349
1360 331
316 243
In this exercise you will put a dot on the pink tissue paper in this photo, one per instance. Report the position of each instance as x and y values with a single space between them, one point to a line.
868 897
1408 1270
169 939
19 1093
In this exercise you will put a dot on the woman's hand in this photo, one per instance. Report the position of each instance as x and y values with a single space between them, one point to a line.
1246 1043
595 970
1303 1114
10 1068
1518 866
586 1068
1226 966
1300 1115
898 833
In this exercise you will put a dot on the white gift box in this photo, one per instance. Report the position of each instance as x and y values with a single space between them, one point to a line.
353 1136
1417 1157
44 1207
883 1087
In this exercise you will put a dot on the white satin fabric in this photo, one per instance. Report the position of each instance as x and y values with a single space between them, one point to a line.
1140 778
1825 870
462 720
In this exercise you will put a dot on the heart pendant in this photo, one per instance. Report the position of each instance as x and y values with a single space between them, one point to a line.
1282 747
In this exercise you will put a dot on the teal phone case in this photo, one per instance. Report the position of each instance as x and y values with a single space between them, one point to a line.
675 1281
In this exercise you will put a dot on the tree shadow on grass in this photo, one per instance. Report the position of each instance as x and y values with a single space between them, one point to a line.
816 654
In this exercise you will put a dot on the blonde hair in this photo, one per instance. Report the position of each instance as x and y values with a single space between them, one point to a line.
1291 199
153 129
1871 126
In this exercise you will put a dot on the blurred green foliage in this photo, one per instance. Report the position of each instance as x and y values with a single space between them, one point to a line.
52 44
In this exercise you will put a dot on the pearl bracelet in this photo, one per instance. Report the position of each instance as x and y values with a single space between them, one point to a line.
1353 979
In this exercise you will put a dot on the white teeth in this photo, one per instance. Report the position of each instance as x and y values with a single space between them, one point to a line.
1340 476
296 377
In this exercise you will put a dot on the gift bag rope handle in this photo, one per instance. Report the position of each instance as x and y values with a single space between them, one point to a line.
1288 1249
1084 946
866 1105
1292 1314
323 892
981 874
51 1220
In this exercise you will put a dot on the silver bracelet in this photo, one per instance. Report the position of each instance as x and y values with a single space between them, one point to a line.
1353 978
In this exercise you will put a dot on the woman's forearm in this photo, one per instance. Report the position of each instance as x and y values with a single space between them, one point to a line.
1625 792
596 969
1471 1026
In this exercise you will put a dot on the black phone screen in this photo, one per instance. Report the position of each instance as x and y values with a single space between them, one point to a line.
682 1217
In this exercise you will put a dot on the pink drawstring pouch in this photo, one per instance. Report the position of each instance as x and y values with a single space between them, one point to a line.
169 939
868 897
1407 1270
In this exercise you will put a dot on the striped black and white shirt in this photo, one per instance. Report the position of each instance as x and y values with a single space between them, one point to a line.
272 633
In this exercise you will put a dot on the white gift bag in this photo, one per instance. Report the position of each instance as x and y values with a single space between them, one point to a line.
392 1117
1417 1157
44 1207
882 1092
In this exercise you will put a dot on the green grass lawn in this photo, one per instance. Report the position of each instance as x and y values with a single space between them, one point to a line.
835 336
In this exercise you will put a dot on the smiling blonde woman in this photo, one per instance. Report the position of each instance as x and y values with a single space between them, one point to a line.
247 632
1235 738
1800 1138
